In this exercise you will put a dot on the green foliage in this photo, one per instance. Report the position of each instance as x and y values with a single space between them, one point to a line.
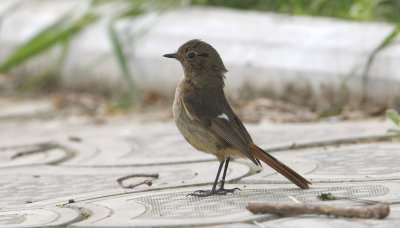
121 59
85 215
63 29
37 80
385 42
393 115
388 10
134 8
330 112
55 33
388 39
326 196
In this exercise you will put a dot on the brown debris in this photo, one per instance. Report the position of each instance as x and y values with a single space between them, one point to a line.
375 211
147 181
74 139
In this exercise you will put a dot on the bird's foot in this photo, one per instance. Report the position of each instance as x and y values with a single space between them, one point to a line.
202 193
224 191
219 191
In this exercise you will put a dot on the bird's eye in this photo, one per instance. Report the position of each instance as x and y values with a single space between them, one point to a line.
191 55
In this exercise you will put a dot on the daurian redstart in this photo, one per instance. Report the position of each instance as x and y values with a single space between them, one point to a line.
207 121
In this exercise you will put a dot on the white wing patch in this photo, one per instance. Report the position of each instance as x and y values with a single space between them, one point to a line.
223 116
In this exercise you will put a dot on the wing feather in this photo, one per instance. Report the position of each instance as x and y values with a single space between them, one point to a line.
206 106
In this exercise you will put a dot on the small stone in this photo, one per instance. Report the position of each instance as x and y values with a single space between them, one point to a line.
74 139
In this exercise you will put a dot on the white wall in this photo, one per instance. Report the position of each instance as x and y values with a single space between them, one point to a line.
266 51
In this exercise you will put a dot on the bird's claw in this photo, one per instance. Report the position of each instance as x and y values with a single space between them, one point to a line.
224 191
219 191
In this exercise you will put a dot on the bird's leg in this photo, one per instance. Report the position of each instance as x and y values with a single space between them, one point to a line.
203 193
221 190
214 191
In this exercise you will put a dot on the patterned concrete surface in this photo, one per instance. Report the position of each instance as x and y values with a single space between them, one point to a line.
63 173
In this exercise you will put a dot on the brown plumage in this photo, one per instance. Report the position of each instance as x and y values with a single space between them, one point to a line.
274 163
205 119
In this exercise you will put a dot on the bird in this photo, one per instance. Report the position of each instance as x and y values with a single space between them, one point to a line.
206 120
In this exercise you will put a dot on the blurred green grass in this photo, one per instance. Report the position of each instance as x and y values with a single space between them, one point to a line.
371 10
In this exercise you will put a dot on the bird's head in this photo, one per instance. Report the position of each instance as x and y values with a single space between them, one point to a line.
199 59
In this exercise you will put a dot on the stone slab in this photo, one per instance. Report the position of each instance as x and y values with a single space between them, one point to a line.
51 216
173 207
360 162
53 156
392 221
11 108
268 135
125 142
110 144
85 168
39 185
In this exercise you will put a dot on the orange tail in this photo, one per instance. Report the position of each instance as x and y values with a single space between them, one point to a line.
289 173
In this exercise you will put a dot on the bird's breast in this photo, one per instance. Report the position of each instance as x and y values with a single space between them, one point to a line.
196 134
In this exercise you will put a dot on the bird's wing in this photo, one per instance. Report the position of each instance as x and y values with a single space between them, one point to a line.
212 110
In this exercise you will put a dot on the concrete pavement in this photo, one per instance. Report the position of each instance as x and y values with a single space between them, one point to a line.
62 172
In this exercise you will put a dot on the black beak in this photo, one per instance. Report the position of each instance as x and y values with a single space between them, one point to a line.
172 55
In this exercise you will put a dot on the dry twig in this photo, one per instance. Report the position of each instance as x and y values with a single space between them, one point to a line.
377 211
147 182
